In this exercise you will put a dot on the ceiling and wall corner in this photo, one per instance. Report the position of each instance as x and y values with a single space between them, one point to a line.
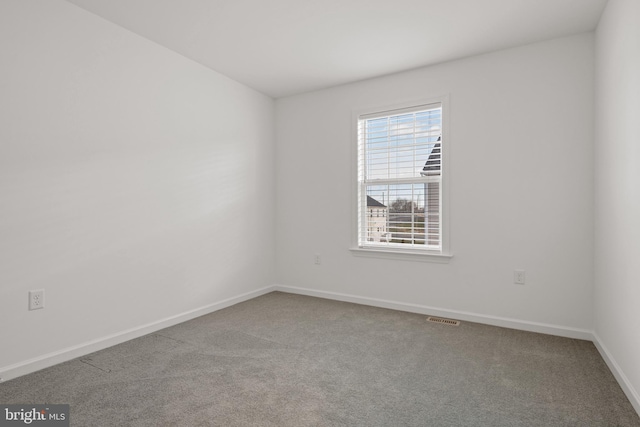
284 47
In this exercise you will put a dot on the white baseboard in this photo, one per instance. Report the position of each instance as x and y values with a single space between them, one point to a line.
625 384
50 359
543 328
522 325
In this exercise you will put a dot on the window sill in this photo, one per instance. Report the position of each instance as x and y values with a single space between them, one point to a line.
401 254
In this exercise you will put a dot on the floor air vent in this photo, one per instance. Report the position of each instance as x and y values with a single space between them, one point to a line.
442 320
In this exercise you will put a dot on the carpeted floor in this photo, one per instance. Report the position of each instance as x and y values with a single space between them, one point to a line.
290 360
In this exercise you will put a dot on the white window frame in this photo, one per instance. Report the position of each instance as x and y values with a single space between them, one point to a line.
409 253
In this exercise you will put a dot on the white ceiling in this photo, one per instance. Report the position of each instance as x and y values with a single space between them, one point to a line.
284 47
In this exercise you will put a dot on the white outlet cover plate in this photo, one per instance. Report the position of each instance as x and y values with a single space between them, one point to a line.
36 299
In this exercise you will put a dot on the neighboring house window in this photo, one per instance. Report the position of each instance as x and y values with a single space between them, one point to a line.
400 172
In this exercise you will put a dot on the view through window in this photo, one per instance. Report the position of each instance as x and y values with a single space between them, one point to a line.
400 178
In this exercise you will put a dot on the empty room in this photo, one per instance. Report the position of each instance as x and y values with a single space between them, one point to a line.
320 213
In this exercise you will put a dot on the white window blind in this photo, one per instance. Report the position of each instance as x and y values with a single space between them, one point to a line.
400 178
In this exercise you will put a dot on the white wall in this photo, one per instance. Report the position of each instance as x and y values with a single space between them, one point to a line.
617 200
521 186
134 184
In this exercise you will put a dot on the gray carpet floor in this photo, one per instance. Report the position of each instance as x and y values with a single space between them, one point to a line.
290 360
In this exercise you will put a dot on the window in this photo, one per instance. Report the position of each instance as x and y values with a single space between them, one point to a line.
400 173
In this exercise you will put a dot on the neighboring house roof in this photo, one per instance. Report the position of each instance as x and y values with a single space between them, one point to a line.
432 166
371 202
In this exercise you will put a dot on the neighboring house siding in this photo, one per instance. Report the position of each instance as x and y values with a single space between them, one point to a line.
432 208
376 221
432 168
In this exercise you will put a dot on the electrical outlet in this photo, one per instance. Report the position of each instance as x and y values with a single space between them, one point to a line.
36 299
317 259
518 277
